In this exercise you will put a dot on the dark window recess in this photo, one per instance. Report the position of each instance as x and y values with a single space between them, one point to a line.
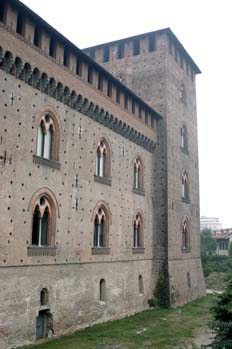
140 112
133 107
121 50
136 47
37 37
92 53
106 54
100 82
52 48
125 101
79 67
152 122
118 93
20 24
146 117
151 43
66 58
90 75
2 11
109 89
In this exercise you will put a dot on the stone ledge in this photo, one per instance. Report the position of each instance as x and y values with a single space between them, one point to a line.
138 249
184 150
186 249
41 250
139 191
100 250
45 162
103 180
186 201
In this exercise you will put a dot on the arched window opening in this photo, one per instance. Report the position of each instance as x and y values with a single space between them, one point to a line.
102 290
184 138
185 235
52 48
44 297
42 225
45 138
20 24
141 289
182 94
138 174
103 159
185 186
100 229
138 232
37 37
188 280
2 11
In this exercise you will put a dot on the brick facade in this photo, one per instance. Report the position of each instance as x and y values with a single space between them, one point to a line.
146 125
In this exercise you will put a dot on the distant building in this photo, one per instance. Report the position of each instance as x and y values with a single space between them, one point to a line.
223 238
212 223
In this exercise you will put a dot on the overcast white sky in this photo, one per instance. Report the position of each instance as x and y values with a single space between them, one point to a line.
204 27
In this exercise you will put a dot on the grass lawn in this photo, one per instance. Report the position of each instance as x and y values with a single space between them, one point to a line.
155 328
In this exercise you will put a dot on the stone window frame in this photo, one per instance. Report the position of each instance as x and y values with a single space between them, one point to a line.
100 211
186 235
102 290
50 248
141 285
138 232
103 162
182 93
55 142
138 176
184 138
185 187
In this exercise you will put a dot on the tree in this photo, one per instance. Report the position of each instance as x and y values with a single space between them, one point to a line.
208 248
222 324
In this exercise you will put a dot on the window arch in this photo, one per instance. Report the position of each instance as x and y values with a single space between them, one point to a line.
138 174
44 297
101 228
102 290
185 234
182 93
184 138
185 186
48 136
138 239
141 289
103 158
43 222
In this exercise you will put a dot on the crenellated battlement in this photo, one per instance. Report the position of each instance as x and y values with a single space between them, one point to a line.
39 35
147 44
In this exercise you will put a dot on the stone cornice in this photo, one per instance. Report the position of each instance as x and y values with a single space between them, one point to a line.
40 81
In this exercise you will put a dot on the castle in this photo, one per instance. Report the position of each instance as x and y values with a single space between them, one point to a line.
99 180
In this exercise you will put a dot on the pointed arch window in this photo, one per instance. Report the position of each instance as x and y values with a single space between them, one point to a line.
101 231
185 235
45 137
138 240
103 159
184 139
43 223
185 187
138 175
47 150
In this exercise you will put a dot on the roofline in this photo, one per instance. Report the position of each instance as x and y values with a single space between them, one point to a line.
167 31
85 57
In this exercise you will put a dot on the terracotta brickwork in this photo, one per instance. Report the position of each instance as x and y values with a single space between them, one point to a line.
50 238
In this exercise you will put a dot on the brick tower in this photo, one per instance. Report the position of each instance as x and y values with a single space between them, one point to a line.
159 70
